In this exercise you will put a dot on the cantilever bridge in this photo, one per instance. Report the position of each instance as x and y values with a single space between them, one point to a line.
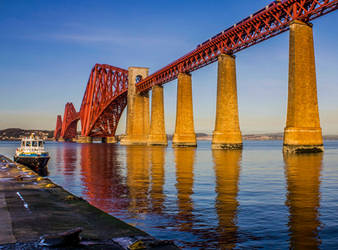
109 88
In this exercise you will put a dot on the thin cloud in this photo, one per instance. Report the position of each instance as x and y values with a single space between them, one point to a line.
95 38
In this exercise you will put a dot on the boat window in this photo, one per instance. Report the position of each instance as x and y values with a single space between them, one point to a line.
22 144
40 144
28 143
35 143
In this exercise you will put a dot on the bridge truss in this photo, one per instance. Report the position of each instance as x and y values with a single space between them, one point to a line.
106 93
104 100
69 124
262 25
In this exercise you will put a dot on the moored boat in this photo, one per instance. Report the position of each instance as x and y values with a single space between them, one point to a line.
32 153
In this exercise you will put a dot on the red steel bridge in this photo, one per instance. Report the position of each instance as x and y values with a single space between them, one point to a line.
106 93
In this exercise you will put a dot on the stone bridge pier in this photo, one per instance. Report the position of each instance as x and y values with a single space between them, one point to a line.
157 134
137 128
302 132
184 130
227 134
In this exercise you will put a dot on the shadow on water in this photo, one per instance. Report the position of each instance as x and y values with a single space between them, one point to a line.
303 199
42 171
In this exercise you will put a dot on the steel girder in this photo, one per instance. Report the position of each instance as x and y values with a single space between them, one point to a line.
104 100
58 127
264 24
69 124
105 97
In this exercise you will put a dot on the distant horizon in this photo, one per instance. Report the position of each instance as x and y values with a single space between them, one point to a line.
196 132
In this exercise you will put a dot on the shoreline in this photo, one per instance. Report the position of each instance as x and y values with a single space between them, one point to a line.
245 138
32 206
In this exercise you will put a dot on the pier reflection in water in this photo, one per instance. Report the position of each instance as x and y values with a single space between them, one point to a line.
184 160
138 180
303 199
157 195
227 170
205 198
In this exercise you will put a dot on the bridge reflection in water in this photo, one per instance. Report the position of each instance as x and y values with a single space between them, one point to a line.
227 170
138 180
303 199
136 184
157 196
101 176
184 160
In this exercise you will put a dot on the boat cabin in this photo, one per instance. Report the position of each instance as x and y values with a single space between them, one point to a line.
32 153
32 144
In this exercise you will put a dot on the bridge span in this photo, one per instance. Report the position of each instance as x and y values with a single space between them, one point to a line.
110 89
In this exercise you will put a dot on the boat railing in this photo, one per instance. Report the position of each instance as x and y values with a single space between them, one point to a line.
32 146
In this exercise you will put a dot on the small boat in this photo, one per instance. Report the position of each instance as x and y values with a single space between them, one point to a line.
32 153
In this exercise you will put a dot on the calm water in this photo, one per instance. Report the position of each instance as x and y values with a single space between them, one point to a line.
205 199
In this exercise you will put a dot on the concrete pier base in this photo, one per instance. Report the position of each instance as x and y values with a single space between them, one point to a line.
303 148
111 139
157 135
227 134
302 133
137 128
61 139
227 146
84 139
184 131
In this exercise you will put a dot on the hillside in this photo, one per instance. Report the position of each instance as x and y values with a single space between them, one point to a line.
17 133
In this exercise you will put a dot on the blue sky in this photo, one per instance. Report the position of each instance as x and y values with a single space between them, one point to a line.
47 49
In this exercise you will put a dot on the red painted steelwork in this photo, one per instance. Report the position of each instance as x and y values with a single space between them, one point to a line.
105 96
104 101
58 127
265 23
69 124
